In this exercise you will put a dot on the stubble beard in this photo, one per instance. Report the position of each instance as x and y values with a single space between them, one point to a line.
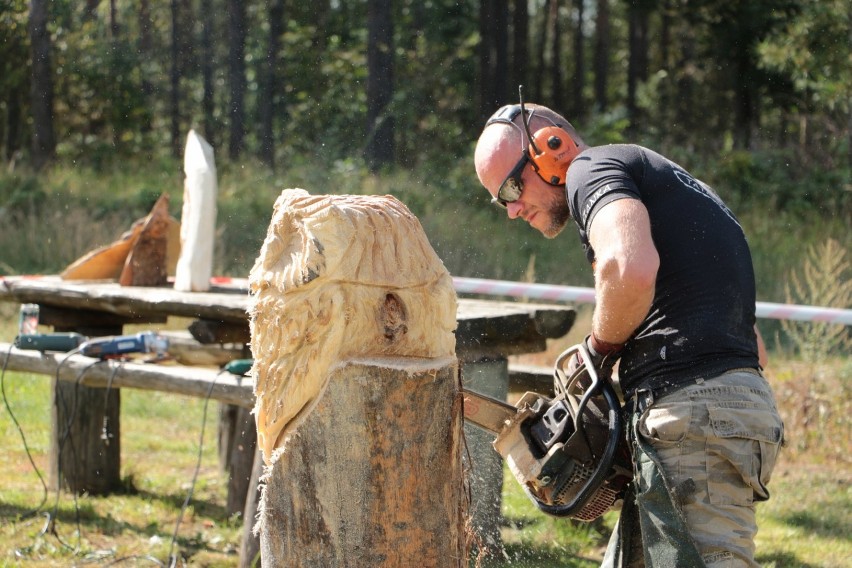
559 216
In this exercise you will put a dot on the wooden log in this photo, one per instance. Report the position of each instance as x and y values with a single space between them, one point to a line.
207 332
250 544
187 381
85 442
198 218
146 263
363 459
241 461
186 350
371 477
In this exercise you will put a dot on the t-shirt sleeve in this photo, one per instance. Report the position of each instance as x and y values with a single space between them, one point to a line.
600 176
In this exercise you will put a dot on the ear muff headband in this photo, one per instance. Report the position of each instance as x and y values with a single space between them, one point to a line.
551 149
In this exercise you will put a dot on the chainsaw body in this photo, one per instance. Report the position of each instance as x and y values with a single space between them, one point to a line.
569 452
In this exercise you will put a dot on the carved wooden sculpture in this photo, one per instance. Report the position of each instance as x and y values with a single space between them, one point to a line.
357 393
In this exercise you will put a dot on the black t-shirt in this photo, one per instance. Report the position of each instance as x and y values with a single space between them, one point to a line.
701 322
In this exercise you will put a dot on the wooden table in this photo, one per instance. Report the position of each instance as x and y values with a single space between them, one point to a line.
487 333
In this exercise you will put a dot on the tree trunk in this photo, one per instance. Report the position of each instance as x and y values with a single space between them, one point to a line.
579 83
13 124
519 59
358 398
85 452
146 44
90 10
501 61
113 20
493 55
369 480
601 54
241 461
637 63
236 75
41 85
379 149
208 59
269 86
174 76
557 74
540 51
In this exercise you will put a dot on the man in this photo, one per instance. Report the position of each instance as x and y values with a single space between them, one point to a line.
675 299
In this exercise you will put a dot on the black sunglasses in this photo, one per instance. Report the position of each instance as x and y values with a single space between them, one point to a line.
511 188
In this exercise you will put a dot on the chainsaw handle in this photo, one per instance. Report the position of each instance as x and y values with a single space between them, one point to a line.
614 435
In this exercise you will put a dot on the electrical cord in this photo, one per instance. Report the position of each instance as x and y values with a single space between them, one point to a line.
173 558
32 512
65 437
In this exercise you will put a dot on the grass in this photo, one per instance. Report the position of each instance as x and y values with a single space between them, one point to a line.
807 523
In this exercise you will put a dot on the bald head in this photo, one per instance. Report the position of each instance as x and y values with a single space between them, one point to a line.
499 151
501 143
498 145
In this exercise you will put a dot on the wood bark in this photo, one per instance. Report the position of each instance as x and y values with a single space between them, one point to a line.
358 408
601 55
372 478
85 454
556 73
379 150
236 76
41 85
578 83
186 381
174 79
269 85
519 58
637 63
208 63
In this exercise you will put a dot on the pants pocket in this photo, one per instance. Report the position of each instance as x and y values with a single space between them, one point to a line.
666 424
741 451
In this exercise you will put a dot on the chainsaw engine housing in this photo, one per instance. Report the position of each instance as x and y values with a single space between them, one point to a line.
569 453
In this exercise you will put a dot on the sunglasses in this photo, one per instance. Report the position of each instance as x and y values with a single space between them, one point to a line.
511 188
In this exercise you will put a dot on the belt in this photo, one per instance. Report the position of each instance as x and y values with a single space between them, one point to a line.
643 396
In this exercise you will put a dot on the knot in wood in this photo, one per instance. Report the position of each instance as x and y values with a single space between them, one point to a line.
393 318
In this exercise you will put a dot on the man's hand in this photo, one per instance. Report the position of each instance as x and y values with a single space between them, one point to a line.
603 357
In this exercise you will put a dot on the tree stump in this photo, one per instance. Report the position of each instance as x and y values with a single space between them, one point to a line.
372 477
85 440
358 402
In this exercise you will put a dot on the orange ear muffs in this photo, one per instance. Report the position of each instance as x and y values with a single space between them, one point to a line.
551 151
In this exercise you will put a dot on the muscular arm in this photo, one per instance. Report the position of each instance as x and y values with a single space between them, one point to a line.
626 263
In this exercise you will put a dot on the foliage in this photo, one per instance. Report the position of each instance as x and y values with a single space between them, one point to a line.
807 51
823 280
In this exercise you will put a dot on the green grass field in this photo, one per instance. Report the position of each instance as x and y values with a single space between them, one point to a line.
807 523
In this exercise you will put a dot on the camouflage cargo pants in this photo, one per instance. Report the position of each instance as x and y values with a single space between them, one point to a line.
703 456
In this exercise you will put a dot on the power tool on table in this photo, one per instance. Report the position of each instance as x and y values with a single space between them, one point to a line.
109 347
568 453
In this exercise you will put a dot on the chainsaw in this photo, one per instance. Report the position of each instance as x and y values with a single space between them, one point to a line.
569 452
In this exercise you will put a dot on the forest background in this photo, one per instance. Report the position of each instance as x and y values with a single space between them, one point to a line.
373 96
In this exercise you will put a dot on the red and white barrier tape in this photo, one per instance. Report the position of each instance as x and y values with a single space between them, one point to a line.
587 295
